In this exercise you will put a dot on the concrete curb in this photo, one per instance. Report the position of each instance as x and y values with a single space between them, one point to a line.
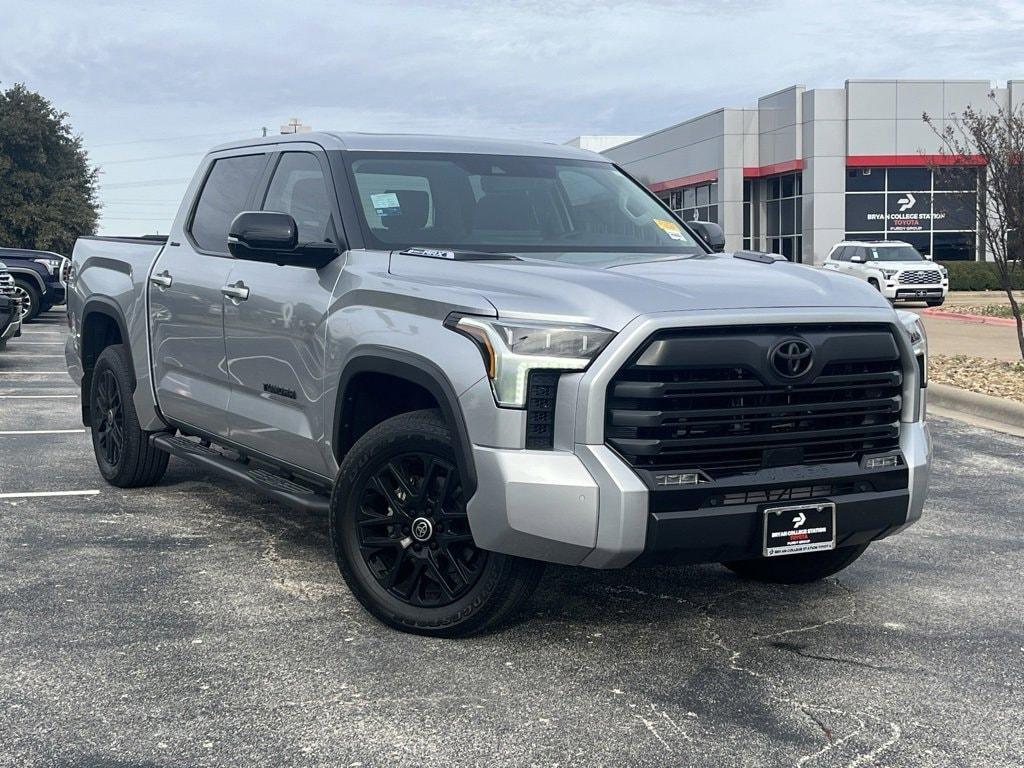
981 319
993 409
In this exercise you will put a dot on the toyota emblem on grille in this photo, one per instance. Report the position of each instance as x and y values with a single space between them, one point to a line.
792 358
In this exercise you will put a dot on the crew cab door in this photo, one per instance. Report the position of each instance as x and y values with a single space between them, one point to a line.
275 336
186 302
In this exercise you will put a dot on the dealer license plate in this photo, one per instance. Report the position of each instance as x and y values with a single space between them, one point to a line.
801 528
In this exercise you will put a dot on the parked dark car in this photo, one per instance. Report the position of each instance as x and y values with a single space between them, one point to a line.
40 279
10 307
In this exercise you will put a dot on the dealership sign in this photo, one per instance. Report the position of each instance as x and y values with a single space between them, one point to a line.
907 214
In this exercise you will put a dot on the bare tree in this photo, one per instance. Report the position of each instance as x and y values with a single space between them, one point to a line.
996 140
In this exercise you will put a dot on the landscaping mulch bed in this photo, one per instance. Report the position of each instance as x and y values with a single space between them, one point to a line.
989 377
986 310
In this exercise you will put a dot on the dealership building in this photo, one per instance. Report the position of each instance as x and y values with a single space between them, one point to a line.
805 169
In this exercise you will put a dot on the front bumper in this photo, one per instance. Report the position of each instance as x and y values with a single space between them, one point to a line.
56 293
581 504
10 318
589 508
896 291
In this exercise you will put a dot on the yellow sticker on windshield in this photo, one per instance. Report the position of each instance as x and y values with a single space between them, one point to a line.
670 228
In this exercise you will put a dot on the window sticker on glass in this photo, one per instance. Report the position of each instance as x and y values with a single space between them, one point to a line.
386 204
670 228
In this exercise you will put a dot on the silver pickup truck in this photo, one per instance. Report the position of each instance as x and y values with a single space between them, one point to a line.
479 356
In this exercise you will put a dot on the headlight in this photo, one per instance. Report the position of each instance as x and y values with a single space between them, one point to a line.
889 272
512 349
52 265
918 340
944 271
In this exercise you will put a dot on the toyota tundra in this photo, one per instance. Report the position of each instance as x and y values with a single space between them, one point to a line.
475 357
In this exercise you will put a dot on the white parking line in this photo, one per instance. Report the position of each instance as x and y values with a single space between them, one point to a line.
33 373
34 494
40 431
34 397
29 354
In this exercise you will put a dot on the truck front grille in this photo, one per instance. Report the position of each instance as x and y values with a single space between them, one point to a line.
920 277
710 400
6 284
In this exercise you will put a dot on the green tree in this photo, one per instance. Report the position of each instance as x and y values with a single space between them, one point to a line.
47 189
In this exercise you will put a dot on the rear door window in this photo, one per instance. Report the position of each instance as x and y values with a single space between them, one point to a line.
224 196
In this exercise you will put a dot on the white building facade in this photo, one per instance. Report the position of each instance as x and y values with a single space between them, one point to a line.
805 169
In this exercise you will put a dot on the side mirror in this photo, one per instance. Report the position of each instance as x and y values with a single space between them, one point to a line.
710 233
272 238
857 259
927 256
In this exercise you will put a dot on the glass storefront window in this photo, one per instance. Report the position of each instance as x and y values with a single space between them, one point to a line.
695 203
934 212
865 180
909 179
784 214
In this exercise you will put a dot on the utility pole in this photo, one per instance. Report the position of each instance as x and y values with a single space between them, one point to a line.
295 126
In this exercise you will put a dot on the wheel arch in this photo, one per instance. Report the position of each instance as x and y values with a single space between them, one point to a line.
417 371
102 325
36 278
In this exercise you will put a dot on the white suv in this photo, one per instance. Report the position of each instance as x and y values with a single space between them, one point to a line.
895 268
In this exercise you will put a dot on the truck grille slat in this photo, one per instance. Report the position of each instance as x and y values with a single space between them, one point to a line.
692 420
920 277
680 413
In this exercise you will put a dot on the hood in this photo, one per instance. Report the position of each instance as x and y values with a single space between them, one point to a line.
903 264
611 296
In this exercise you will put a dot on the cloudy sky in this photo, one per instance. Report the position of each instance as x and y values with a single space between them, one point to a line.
149 86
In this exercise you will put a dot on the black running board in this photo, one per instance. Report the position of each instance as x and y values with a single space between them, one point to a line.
264 481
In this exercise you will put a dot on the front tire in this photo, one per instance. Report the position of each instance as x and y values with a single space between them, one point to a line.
402 540
30 299
124 454
796 569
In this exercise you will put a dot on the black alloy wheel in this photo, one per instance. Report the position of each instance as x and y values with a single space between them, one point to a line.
109 410
413 531
124 454
402 538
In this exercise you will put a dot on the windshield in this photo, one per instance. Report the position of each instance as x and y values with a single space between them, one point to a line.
894 253
501 203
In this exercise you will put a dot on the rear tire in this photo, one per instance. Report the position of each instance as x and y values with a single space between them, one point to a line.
402 540
30 299
796 569
124 454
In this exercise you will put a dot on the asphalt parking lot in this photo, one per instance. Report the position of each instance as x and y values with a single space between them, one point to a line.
197 624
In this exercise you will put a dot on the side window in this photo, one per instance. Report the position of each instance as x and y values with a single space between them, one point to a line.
844 253
299 189
223 197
